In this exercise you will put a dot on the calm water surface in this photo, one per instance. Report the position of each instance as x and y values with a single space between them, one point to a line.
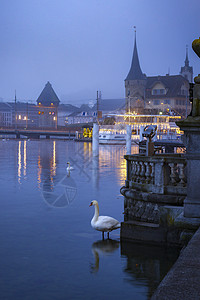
48 249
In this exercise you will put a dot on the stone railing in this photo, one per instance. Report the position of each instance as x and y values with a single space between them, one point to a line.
160 174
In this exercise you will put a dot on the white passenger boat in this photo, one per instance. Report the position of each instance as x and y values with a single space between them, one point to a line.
109 137
116 134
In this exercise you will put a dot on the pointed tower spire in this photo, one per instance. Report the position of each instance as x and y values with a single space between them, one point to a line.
135 72
186 59
187 70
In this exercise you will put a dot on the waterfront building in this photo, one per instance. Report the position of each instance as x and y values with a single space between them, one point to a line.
48 103
5 115
24 115
158 94
64 110
84 115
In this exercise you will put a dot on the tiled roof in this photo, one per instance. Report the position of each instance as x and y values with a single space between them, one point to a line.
171 83
48 96
67 107
110 104
5 106
83 108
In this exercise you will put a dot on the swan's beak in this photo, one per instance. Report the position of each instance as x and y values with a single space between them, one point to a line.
90 204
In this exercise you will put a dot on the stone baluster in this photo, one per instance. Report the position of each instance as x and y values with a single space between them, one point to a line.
137 171
142 171
152 175
173 173
181 174
147 174
133 171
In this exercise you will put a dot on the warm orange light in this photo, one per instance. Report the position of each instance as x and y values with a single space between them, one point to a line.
20 117
51 103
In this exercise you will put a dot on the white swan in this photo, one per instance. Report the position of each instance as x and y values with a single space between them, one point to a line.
69 168
103 223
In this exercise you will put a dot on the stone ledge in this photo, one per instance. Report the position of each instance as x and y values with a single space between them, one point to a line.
182 281
143 232
152 197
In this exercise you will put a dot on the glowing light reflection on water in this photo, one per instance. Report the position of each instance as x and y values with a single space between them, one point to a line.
48 248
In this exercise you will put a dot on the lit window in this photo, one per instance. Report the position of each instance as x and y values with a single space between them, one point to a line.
51 103
20 117
39 103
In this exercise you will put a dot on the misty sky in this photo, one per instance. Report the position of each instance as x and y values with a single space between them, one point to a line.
82 46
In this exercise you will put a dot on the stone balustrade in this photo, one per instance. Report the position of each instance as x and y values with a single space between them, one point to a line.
159 174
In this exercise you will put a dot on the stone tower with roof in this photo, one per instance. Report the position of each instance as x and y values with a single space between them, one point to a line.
187 70
135 84
48 103
48 96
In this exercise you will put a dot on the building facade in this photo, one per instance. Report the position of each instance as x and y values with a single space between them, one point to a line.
157 94
47 104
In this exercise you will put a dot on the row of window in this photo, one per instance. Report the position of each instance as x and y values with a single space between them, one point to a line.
167 101
158 92
158 102
85 113
161 92
180 102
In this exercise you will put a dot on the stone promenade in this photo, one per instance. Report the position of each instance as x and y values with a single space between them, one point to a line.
183 280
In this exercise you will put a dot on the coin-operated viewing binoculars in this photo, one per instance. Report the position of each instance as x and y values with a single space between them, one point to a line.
149 132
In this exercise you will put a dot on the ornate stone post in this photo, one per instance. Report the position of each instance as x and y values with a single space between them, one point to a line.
191 128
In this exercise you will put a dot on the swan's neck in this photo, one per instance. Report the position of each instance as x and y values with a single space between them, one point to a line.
96 213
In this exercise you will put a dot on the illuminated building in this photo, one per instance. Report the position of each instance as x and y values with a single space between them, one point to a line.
167 93
48 103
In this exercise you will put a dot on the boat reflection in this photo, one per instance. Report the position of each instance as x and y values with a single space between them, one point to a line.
102 248
147 264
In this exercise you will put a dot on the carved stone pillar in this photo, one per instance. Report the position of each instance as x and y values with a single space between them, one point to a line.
191 128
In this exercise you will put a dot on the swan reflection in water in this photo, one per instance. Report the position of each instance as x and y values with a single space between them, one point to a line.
102 248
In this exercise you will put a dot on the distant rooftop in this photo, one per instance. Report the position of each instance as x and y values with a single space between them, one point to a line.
110 104
48 96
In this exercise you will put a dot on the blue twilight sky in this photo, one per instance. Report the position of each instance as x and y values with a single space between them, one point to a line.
82 46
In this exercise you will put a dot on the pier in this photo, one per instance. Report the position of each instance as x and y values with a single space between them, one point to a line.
37 133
